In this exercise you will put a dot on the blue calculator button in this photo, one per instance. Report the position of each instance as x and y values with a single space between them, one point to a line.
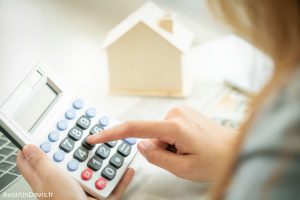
62 125
46 147
53 136
130 141
70 114
104 121
73 165
78 104
59 156
91 112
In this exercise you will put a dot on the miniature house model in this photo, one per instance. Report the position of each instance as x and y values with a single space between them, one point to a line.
146 54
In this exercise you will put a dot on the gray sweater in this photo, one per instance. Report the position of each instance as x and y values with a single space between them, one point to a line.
269 163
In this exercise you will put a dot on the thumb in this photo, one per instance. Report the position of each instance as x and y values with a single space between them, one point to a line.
37 159
161 157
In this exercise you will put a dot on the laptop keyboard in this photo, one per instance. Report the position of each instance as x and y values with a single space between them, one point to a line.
8 169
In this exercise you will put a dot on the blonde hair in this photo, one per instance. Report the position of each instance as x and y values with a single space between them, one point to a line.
274 27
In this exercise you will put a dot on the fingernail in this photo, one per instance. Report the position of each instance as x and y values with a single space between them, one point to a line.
29 151
144 146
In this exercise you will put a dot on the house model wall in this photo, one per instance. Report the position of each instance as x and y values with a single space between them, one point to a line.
146 54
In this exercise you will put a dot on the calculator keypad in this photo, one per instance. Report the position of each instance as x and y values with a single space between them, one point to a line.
68 146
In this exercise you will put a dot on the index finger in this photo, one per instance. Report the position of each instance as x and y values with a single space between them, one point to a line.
162 130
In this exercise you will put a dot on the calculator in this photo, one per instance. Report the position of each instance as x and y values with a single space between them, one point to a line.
44 111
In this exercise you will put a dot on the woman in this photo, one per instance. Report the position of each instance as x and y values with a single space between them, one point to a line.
260 161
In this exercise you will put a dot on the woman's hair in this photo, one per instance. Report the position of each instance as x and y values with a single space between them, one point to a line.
274 27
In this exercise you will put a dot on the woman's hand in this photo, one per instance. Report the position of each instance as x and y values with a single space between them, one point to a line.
202 145
44 177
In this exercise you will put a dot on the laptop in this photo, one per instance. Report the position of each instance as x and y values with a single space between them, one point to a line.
12 184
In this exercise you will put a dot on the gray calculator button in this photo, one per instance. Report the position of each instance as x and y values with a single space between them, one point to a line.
67 144
6 179
109 172
124 149
87 145
81 154
111 144
95 163
84 122
96 129
117 160
103 151
75 133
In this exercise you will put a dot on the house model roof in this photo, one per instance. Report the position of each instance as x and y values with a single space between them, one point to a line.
150 14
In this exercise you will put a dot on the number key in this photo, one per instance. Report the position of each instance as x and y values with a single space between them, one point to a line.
87 145
109 172
95 163
81 154
83 122
103 151
96 129
75 133
67 144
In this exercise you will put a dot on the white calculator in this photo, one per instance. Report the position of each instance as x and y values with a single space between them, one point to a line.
43 111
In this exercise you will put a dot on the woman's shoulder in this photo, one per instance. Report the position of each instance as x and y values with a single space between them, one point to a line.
277 126
268 166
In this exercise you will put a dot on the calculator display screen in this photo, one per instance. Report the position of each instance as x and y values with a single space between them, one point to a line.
36 107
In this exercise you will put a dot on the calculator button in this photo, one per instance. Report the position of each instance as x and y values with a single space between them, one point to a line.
130 141
86 174
109 172
53 136
104 121
111 144
91 112
46 147
70 114
78 104
73 165
124 149
87 145
75 133
81 154
67 144
101 183
103 151
96 129
117 160
59 156
95 163
62 125
83 122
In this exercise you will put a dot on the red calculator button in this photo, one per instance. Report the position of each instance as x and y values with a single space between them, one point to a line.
87 174
101 183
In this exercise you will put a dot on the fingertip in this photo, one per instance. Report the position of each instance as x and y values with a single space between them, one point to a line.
30 151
